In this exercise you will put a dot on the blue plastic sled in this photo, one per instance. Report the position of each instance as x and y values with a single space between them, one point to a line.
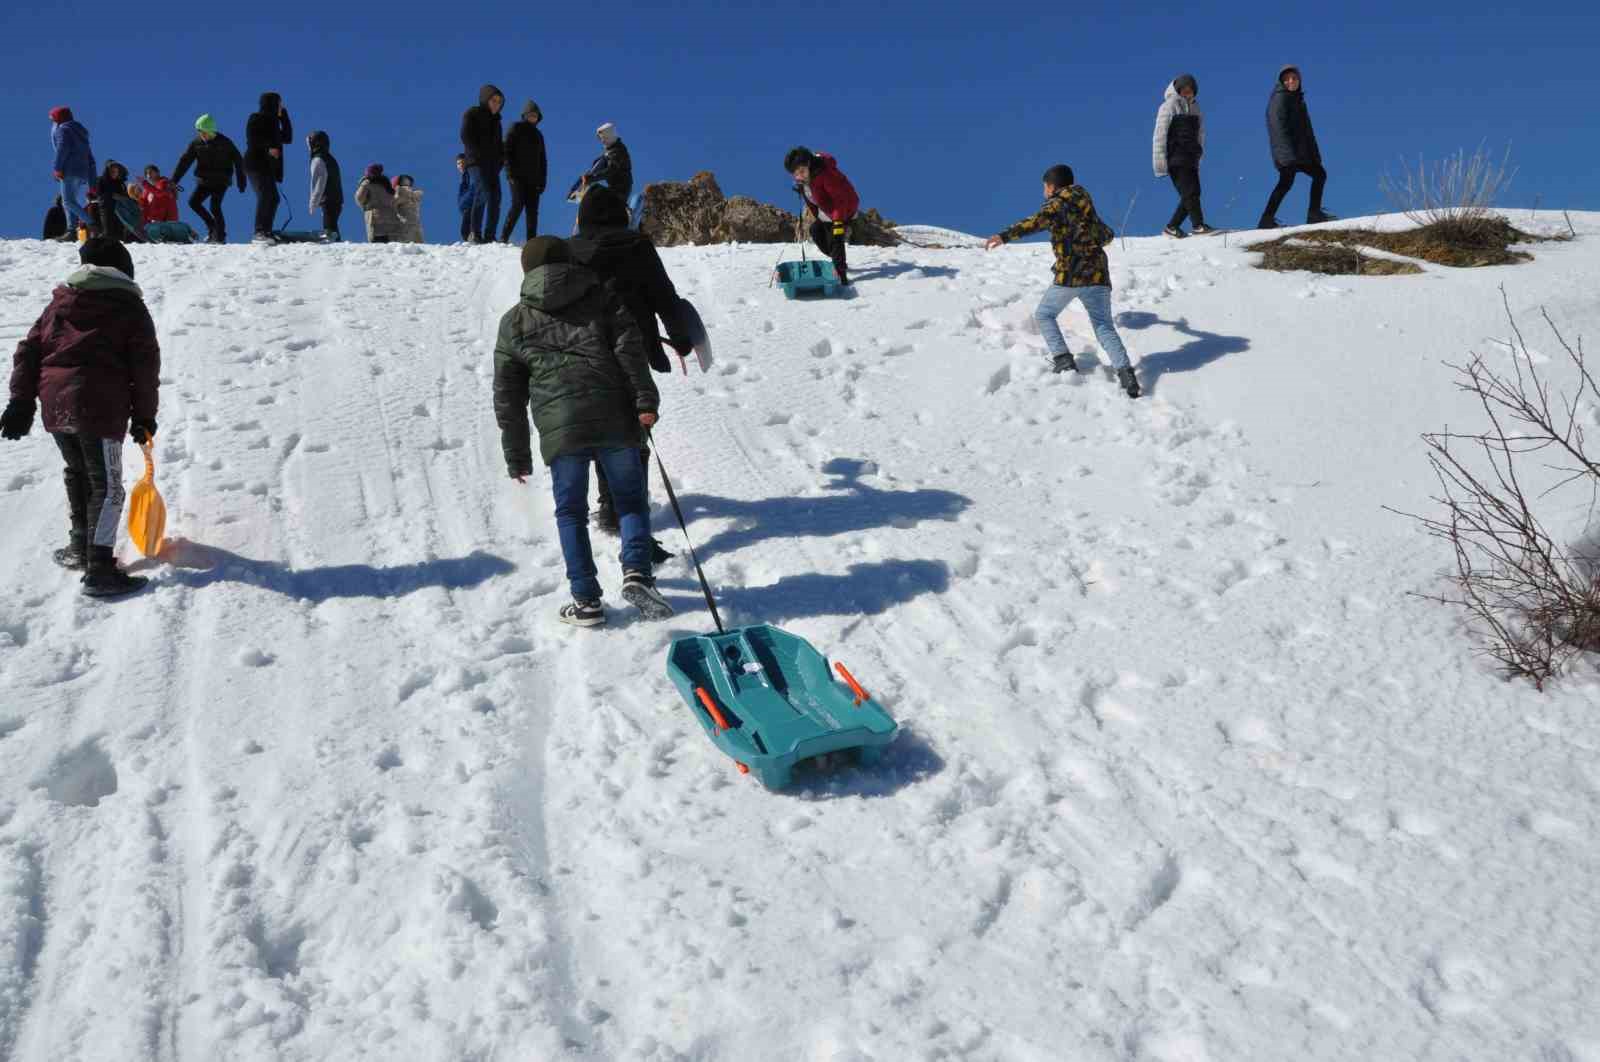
816 276
769 700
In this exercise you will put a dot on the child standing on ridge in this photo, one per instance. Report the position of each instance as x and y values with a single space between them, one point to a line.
1176 148
830 199
464 197
327 185
408 204
74 166
1294 149
91 362
375 194
1078 237
572 352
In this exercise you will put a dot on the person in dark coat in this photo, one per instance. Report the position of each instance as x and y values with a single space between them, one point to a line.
1294 148
830 201
484 148
629 259
217 164
1176 149
74 165
92 364
464 198
327 185
112 185
571 352
614 167
55 221
266 134
526 169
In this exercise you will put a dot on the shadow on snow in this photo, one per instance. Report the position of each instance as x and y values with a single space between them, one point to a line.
1202 349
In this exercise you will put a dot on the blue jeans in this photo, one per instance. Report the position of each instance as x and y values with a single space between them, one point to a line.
569 480
484 213
74 193
1096 300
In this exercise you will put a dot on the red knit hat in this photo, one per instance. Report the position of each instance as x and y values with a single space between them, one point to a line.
60 114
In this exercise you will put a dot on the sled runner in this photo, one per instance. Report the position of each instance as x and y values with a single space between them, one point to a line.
767 698
808 277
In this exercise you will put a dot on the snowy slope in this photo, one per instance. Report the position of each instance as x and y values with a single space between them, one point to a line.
1184 771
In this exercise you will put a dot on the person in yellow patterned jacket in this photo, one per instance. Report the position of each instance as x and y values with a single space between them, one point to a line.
1078 237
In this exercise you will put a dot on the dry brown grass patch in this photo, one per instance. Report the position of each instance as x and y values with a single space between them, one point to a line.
1460 242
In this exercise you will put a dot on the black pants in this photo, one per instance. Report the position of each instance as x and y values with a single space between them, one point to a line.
822 236
330 215
93 478
1286 175
266 190
605 488
216 224
1186 179
519 201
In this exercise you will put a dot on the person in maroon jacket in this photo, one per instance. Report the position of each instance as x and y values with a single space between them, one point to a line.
830 198
92 362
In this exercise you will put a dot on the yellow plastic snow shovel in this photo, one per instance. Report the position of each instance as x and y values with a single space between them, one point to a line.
147 513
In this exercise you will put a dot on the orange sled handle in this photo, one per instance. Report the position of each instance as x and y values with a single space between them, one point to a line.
711 707
850 680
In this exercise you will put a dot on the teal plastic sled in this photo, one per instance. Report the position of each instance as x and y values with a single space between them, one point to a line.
810 277
769 700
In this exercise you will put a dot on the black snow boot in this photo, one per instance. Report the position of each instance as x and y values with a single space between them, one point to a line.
1063 363
1269 223
105 579
1317 217
1129 382
74 556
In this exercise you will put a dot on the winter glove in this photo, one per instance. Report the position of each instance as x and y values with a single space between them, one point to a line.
57 173
838 230
17 420
142 431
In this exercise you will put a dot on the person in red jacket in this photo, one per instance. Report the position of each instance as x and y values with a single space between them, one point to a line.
92 365
830 198
158 199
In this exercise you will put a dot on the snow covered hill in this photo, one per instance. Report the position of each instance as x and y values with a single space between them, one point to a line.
1185 773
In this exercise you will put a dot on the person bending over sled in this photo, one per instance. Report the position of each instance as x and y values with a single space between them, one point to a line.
830 198
92 362
571 352
1078 237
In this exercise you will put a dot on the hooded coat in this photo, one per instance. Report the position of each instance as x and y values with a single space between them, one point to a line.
216 163
111 187
830 191
1289 125
158 201
376 198
525 157
570 352
1180 136
481 140
628 259
408 204
267 129
70 139
614 168
91 360
327 184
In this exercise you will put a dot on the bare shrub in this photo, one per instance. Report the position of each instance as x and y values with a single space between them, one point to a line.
1536 598
1455 196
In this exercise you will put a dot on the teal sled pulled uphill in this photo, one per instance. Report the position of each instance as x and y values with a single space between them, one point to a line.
769 700
813 277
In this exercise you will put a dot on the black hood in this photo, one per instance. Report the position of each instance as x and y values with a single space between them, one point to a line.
318 142
601 210
270 103
1284 70
487 93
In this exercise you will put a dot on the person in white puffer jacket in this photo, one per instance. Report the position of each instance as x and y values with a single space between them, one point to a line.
1176 149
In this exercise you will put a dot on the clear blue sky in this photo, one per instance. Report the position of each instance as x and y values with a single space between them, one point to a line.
940 113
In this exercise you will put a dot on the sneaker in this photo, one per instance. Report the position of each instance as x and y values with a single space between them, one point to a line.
639 590
581 613
1063 363
1203 229
263 238
1269 223
1317 217
605 519
104 579
1175 232
1129 382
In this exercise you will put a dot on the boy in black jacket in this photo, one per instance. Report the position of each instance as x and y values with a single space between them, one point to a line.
217 164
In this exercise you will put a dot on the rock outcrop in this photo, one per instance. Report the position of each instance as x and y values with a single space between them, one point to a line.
696 212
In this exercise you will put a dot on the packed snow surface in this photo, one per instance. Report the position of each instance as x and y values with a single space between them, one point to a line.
1185 772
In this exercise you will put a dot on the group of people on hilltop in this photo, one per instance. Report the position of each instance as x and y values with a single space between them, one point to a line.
1179 143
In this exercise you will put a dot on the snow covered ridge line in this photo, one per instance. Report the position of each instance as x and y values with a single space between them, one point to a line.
1185 772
